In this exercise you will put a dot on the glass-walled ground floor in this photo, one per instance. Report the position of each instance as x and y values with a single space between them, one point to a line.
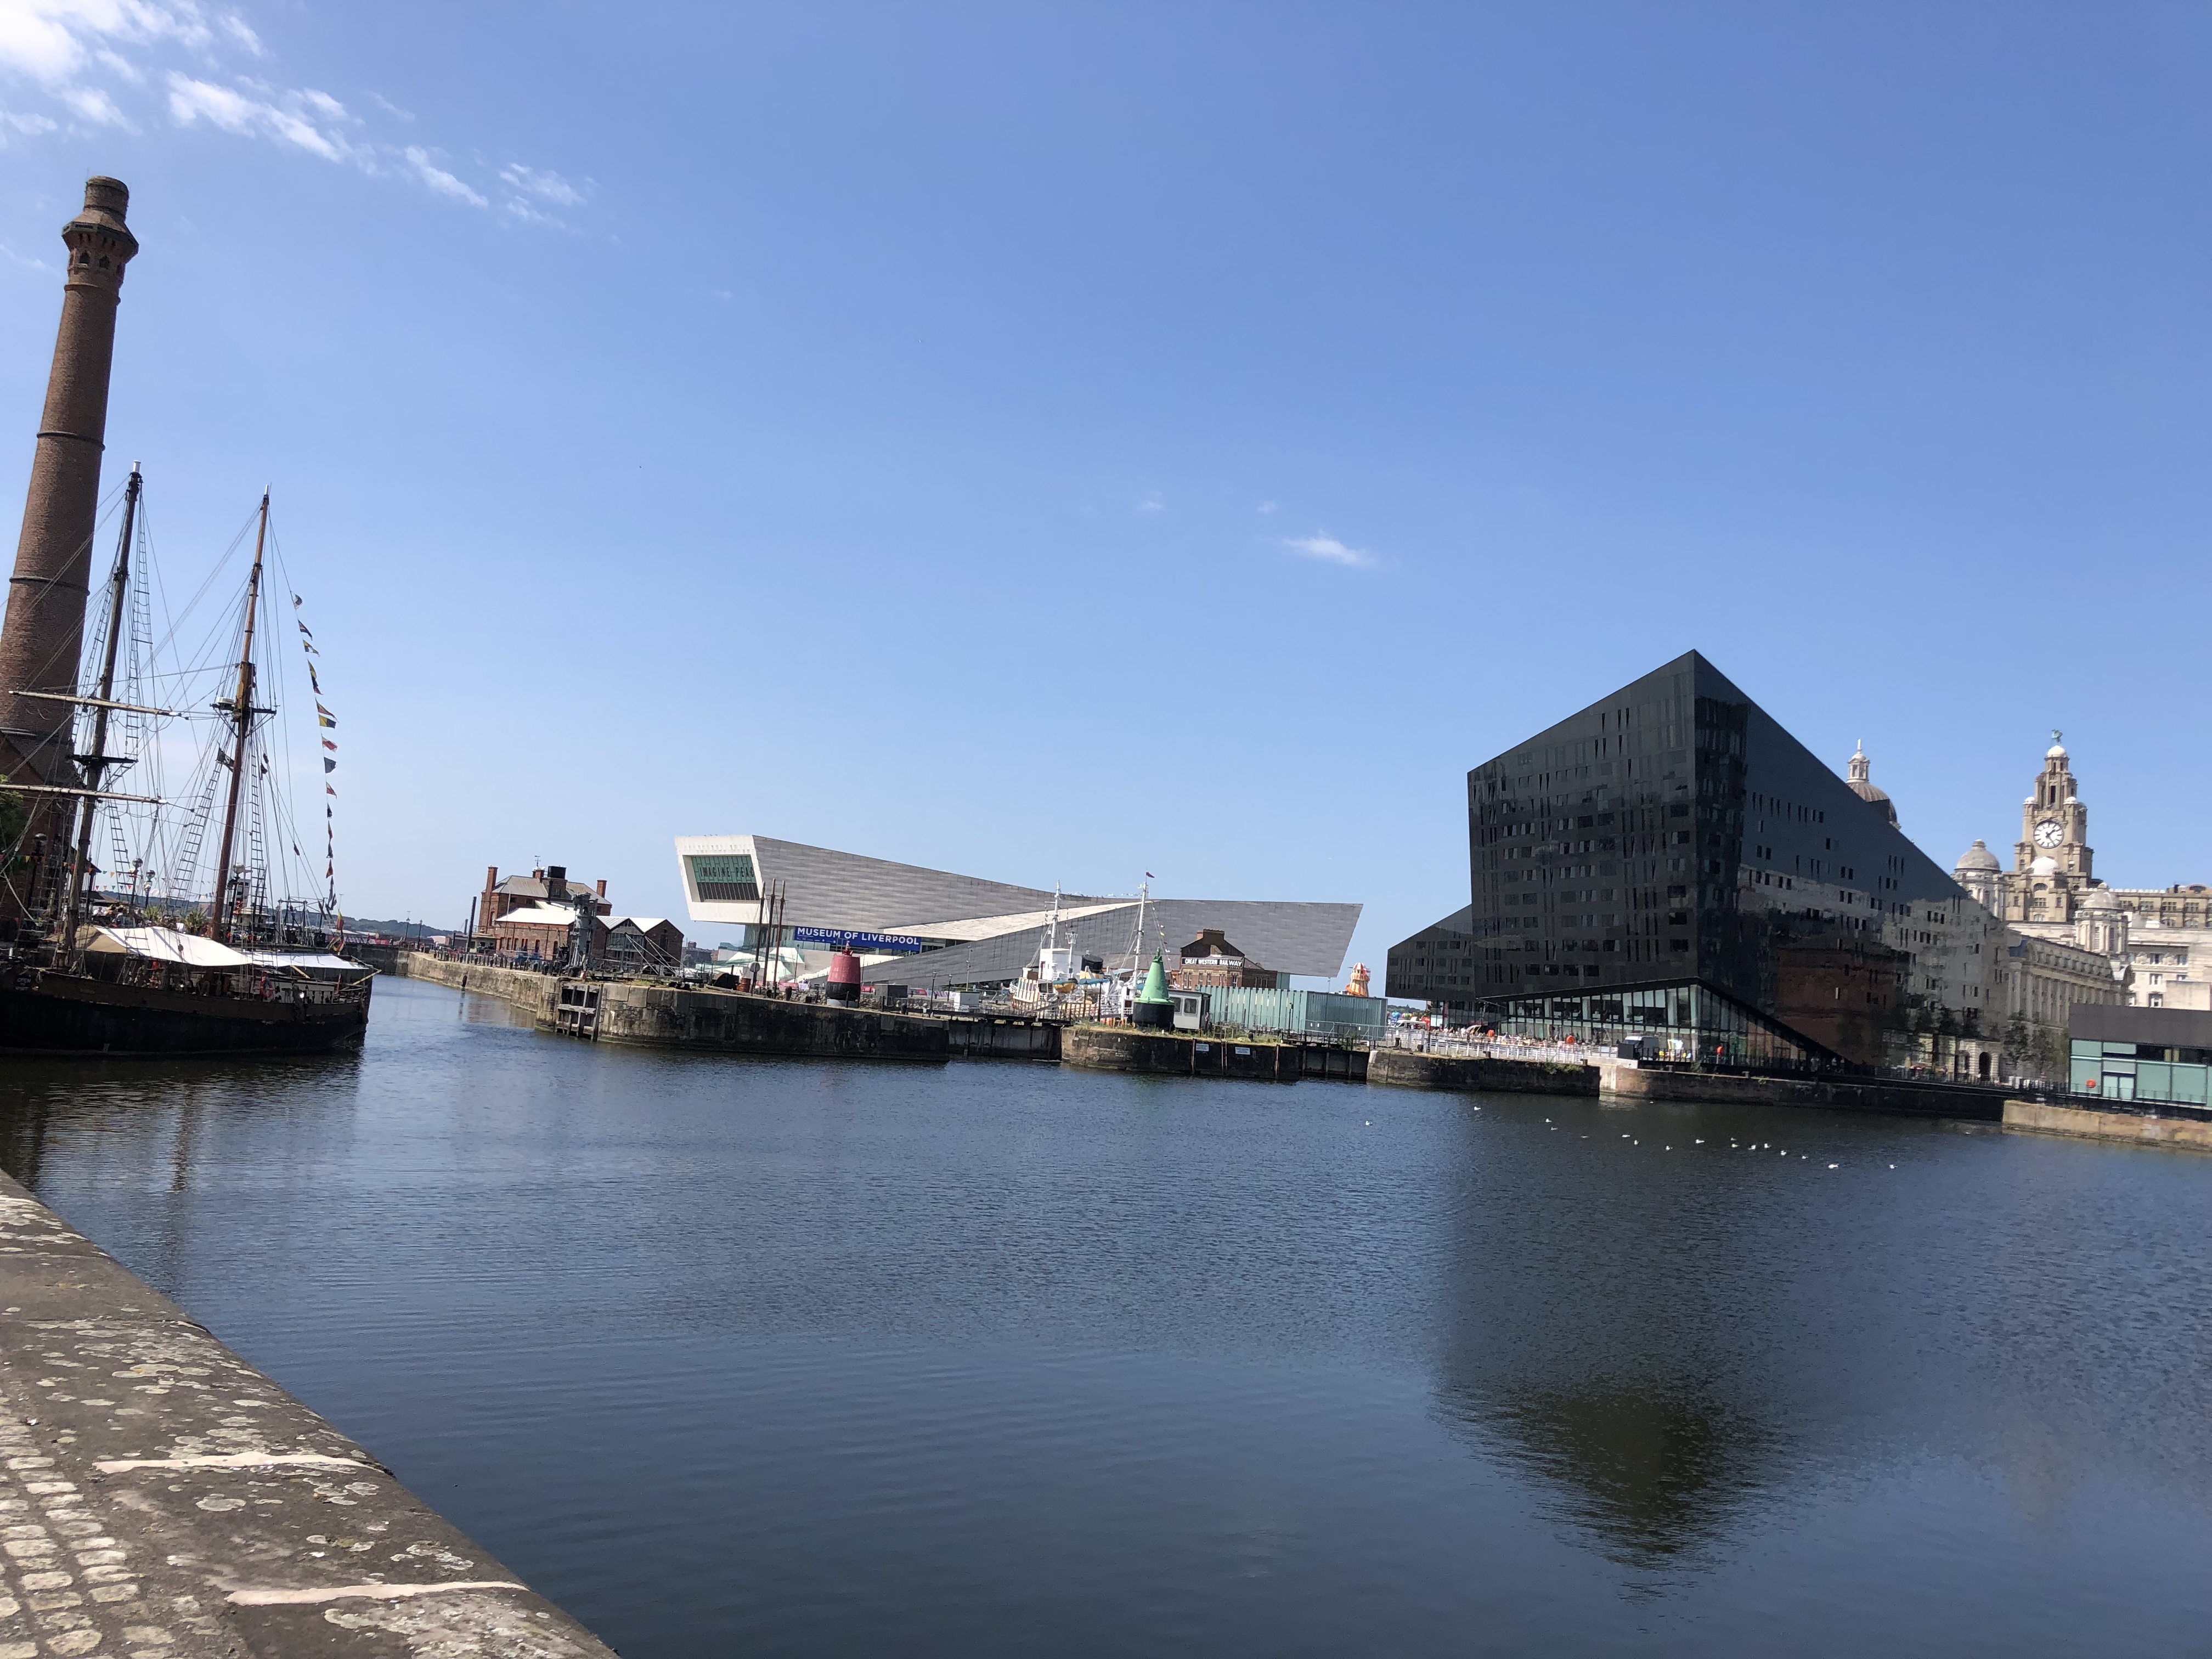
1685 1023
2151 1073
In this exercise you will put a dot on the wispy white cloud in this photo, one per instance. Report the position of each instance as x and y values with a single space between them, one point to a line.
235 27
1152 503
90 62
94 105
440 180
1264 507
544 184
306 119
1329 550
27 127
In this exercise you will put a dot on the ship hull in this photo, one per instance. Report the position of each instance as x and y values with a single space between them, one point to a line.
59 1014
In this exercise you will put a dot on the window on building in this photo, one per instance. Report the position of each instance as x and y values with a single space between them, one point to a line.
721 878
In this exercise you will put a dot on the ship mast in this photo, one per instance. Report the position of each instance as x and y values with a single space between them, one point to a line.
241 712
97 761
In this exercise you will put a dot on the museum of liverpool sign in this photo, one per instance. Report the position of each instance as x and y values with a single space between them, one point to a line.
836 939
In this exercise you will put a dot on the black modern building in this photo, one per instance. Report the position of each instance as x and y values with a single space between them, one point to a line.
1670 865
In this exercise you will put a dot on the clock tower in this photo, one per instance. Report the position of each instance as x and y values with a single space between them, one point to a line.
2052 860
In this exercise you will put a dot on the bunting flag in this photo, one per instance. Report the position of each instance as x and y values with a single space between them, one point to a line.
329 722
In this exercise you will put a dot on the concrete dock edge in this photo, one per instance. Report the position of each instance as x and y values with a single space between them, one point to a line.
1410 1068
158 1495
2136 1129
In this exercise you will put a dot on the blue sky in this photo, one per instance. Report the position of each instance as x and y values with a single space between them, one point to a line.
1062 442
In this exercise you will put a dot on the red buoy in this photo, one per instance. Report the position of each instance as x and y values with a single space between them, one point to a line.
844 978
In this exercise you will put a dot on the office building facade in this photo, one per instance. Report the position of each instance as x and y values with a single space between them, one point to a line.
1670 865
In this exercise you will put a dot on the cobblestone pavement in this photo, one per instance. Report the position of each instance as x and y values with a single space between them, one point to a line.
161 1499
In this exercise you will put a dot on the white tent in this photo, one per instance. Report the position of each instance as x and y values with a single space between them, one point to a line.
303 959
160 944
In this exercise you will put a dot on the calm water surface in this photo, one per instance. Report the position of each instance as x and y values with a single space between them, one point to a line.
736 1357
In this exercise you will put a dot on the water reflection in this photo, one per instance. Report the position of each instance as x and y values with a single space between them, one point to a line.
1678 1333
1609 1341
475 1009
1652 1481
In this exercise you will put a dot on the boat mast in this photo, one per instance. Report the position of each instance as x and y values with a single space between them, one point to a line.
1136 938
241 711
96 762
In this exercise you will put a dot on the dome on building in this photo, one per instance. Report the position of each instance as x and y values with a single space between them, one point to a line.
2056 751
1977 857
1862 785
2100 898
2045 866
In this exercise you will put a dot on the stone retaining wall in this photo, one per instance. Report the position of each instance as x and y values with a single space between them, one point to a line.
533 992
2131 1127
1127 1049
984 1036
1410 1068
686 1016
1720 1088
737 1022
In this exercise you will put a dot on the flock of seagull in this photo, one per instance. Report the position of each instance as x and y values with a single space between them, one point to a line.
1734 1146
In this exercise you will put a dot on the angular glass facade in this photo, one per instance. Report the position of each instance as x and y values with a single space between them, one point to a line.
1670 863
1437 965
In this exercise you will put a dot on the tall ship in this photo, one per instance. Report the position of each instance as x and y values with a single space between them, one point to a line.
137 917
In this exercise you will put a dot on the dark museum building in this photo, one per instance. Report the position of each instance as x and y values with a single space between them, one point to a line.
1670 865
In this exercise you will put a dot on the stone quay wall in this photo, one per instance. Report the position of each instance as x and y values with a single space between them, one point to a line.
159 1496
1410 1068
536 992
737 1022
985 1037
1127 1049
2136 1129
1621 1082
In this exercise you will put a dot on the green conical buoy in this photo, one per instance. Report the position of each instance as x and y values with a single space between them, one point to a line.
1156 984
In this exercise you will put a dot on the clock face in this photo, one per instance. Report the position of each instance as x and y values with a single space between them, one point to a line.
2049 834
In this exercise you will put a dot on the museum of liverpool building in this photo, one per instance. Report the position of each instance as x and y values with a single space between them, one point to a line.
930 929
1669 865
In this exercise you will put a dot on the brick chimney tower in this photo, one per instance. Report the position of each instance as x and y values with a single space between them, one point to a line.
44 633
